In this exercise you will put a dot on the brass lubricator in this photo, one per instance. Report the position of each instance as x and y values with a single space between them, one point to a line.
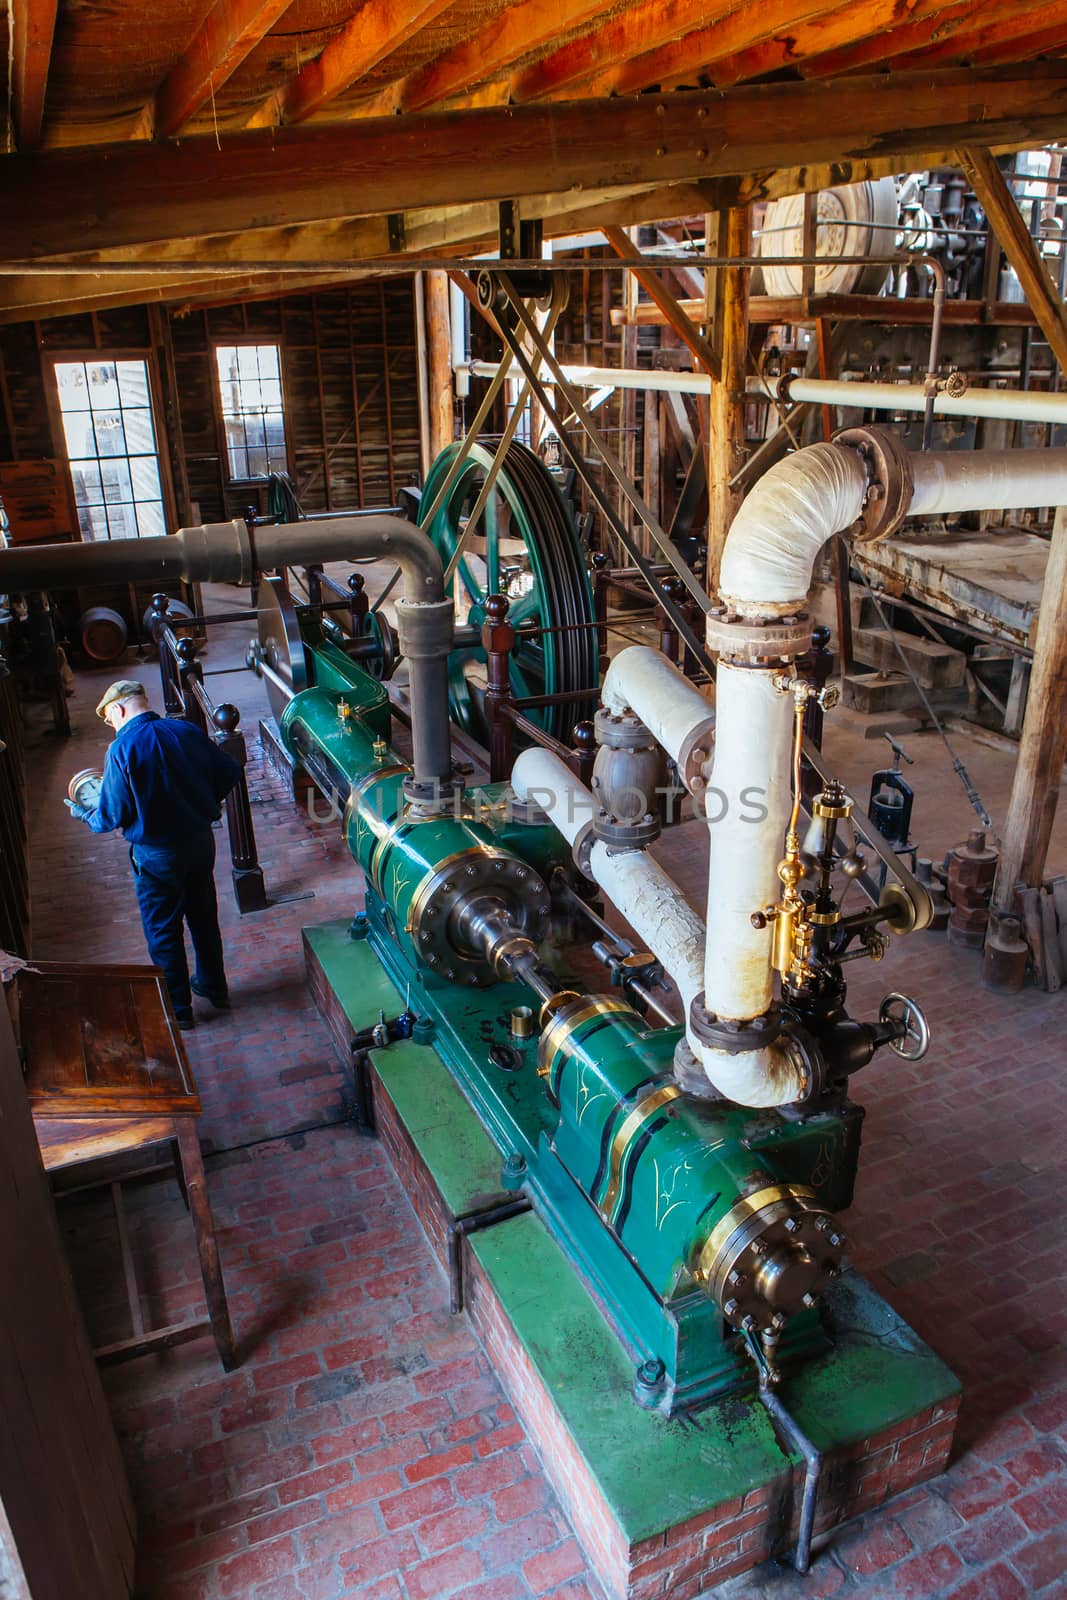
803 923
790 917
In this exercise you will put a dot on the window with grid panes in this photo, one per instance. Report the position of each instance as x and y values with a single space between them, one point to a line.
111 445
250 384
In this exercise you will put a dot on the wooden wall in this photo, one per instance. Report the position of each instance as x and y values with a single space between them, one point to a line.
348 379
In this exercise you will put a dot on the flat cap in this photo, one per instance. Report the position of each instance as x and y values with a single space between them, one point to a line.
124 689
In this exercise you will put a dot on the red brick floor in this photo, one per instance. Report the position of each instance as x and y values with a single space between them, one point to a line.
363 1447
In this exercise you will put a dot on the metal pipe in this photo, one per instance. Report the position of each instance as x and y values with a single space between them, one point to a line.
1011 405
798 1440
987 480
229 552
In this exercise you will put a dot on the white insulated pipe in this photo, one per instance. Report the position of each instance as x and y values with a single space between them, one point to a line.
748 804
657 911
1012 405
987 480
611 378
647 896
644 681
541 779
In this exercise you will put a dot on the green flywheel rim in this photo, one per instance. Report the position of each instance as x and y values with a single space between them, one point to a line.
535 558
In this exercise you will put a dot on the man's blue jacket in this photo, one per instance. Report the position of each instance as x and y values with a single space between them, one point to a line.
164 783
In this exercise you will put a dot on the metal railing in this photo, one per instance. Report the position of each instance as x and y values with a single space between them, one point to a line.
184 695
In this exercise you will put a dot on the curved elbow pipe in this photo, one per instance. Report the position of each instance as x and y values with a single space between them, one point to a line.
773 541
672 709
230 552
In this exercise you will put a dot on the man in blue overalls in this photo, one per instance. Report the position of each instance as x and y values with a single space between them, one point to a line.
164 783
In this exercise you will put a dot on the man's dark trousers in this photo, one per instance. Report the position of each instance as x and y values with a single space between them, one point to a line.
176 885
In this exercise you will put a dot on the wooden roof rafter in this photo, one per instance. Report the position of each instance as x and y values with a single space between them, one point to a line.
31 30
1011 35
846 25
371 34
900 39
517 31
652 24
686 59
227 35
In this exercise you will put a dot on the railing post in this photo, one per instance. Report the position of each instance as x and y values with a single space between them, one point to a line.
583 739
601 579
248 886
669 638
189 668
498 638
358 602
159 627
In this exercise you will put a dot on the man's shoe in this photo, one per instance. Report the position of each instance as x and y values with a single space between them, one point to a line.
221 1002
183 1016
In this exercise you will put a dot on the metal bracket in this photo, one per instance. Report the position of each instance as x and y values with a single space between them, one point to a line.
397 237
508 229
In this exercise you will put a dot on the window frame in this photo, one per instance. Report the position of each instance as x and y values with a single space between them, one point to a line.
247 342
93 356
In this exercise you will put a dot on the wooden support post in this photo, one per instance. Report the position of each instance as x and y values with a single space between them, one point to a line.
1007 222
726 444
1043 745
439 339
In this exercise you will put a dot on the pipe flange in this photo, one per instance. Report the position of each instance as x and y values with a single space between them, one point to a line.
430 799
751 639
690 1075
622 730
890 483
733 1037
582 849
525 812
696 756
626 834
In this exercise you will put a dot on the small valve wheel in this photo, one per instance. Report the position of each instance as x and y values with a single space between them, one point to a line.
915 1039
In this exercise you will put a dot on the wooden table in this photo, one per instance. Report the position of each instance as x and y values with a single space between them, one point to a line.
107 1076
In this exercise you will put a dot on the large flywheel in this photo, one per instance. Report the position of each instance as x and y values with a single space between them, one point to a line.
527 548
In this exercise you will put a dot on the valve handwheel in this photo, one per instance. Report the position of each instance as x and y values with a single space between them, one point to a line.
914 1039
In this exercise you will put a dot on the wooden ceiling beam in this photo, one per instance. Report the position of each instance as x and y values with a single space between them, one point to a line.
1006 220
31 28
136 193
1010 28
463 231
192 293
656 23
516 31
373 32
229 32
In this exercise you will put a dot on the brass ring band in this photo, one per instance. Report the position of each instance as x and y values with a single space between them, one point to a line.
741 1212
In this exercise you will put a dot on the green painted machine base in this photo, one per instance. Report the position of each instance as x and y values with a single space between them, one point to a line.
651 1470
